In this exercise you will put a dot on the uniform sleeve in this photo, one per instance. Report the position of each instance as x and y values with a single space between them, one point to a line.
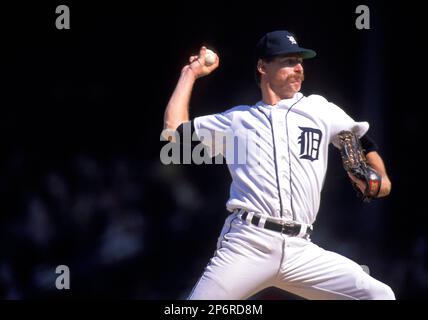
340 121
369 144
211 130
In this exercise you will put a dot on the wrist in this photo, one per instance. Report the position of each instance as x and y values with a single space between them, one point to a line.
187 72
385 187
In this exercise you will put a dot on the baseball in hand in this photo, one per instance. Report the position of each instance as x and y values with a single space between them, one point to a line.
209 57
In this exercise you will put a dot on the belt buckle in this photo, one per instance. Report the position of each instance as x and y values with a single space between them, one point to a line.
285 224
290 225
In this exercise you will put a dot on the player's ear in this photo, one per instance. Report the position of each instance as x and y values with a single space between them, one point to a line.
261 66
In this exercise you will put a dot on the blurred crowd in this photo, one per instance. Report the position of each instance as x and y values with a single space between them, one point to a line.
87 215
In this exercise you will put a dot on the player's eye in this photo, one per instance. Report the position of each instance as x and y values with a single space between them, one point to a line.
291 62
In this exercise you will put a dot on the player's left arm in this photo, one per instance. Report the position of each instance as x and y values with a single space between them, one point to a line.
375 161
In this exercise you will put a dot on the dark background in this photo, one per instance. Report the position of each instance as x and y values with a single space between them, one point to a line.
81 112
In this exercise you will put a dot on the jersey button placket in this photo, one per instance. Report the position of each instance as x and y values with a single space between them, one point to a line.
280 148
285 170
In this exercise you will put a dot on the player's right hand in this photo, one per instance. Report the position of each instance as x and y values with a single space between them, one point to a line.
197 64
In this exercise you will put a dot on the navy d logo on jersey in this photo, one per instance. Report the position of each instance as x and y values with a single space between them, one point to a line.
310 141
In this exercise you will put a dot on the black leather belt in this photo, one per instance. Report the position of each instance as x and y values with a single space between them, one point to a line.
288 228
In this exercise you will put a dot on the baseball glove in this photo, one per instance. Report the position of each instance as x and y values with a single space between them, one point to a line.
355 162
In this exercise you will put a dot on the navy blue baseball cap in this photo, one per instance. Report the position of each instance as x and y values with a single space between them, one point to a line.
280 42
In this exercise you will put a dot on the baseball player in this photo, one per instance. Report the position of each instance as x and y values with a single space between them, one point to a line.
265 240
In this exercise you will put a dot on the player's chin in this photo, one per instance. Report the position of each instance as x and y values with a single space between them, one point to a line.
296 86
297 83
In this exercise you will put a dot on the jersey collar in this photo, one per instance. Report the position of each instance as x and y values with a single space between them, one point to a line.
282 104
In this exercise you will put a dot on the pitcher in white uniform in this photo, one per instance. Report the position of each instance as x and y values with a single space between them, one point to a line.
265 240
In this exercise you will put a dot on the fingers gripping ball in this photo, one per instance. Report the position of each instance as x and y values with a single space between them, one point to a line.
355 162
210 57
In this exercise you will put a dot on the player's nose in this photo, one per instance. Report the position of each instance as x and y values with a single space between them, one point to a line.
298 67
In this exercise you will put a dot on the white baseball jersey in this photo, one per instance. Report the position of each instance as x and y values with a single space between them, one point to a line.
291 140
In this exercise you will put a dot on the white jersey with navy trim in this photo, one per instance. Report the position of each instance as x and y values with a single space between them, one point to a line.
292 139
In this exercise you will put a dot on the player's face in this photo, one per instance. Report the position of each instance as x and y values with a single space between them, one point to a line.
285 75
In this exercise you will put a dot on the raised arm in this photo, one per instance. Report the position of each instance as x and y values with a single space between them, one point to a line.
177 109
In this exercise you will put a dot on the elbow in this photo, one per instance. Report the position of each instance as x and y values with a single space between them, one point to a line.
167 124
167 134
171 125
169 131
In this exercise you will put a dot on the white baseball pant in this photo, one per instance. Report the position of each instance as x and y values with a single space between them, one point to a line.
249 259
